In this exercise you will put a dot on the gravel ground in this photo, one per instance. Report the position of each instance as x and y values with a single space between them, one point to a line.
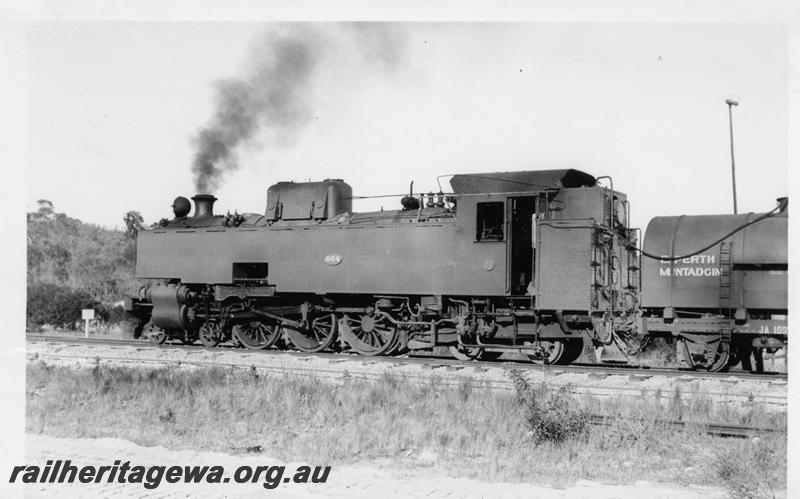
736 393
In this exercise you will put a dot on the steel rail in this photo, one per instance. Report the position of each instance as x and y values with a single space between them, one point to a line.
631 391
595 369
717 429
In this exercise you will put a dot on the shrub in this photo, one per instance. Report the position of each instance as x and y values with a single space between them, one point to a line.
751 470
551 416
111 314
56 305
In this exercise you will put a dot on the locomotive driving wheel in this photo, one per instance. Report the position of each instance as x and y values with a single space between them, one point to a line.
370 334
157 337
547 352
560 351
210 334
400 346
461 352
490 355
154 334
257 335
320 335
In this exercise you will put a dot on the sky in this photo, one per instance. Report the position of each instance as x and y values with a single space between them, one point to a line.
113 107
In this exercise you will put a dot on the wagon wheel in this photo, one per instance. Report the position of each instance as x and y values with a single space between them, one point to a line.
316 338
461 352
750 358
548 352
370 334
573 348
257 335
210 334
697 360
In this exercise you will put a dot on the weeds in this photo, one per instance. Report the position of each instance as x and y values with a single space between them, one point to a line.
551 416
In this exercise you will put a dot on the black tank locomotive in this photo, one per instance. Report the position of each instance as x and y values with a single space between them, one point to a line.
527 261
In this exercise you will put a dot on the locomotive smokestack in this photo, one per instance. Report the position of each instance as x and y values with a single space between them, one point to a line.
203 205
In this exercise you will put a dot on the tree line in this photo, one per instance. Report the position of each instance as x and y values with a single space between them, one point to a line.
74 265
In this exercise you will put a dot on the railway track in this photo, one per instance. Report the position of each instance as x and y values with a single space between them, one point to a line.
450 376
636 371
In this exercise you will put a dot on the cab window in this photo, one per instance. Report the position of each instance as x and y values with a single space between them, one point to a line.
490 221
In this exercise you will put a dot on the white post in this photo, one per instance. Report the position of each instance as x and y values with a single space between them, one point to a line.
87 314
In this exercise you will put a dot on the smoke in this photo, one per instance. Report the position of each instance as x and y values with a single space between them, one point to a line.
276 92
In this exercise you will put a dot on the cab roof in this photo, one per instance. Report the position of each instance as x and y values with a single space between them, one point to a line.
539 180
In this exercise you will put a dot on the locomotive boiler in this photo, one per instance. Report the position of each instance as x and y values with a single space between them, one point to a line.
534 261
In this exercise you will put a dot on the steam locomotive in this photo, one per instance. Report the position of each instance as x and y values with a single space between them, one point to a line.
540 262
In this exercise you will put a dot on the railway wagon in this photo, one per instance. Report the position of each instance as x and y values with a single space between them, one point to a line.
726 303
534 261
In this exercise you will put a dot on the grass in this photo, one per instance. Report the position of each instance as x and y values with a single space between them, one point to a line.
466 431
116 330
659 353
751 470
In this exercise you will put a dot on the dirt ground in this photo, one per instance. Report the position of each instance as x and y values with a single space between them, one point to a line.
365 480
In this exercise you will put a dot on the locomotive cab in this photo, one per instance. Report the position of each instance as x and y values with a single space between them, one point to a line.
564 252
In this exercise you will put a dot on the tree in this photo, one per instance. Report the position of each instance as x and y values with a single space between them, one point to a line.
133 223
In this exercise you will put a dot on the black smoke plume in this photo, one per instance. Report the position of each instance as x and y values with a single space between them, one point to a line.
271 95
275 92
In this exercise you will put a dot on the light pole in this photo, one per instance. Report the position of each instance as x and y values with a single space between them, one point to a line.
730 102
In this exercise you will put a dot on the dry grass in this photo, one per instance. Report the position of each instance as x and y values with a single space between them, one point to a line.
658 353
466 431
751 470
